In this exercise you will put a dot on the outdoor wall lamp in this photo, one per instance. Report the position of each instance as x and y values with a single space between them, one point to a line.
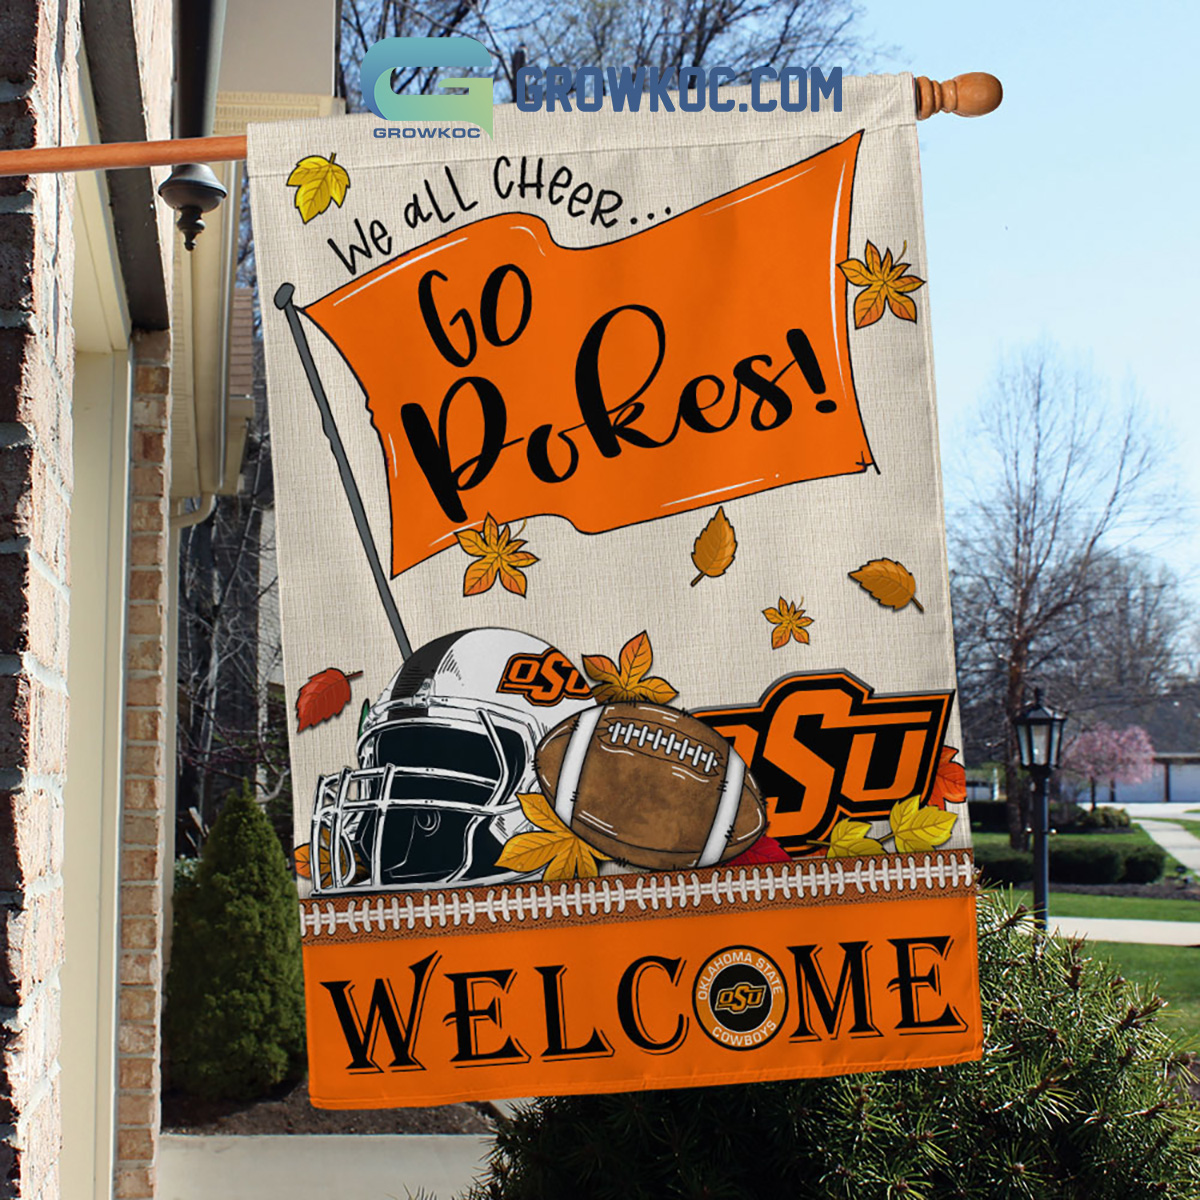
1039 744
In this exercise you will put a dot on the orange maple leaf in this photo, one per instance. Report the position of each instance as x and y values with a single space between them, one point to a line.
789 621
950 782
617 684
498 554
886 285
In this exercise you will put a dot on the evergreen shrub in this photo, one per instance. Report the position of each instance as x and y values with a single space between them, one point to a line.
234 1021
1003 864
1078 1097
1104 817
1144 864
1086 862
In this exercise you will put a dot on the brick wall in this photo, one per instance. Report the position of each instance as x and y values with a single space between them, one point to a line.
144 816
38 45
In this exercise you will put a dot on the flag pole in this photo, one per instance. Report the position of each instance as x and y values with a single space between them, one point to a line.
283 301
971 95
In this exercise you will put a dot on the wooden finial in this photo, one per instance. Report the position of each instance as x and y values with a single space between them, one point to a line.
972 95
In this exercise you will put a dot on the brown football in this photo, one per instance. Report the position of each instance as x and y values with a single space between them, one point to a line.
650 786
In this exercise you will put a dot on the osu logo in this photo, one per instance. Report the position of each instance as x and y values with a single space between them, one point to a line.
740 998
407 53
544 678
822 746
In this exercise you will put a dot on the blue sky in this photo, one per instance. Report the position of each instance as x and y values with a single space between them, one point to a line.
1072 212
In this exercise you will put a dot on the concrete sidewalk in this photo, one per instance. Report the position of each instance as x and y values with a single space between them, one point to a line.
1174 839
318 1167
1112 929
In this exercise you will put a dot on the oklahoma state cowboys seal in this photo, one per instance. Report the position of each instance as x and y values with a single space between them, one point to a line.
740 998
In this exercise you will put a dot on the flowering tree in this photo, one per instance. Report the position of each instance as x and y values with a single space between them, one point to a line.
1102 752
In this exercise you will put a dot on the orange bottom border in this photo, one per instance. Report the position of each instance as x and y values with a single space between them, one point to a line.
679 1001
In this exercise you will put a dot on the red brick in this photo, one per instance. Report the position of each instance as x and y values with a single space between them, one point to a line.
143 654
147 549
144 760
143 725
149 447
134 1108
148 516
146 620
144 793
152 381
134 1145
147 481
153 347
135 1183
138 1004
139 863
141 829
141 899
139 969
146 583
148 691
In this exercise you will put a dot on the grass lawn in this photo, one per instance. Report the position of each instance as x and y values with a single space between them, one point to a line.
1126 908
1193 827
1175 969
1134 836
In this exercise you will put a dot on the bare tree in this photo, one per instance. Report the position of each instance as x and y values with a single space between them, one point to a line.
1037 554
660 34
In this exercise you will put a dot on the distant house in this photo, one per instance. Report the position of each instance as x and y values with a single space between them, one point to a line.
1173 723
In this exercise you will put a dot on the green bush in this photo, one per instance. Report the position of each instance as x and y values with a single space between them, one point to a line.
1144 864
1074 1097
234 1021
1092 861
1065 814
1002 864
1104 817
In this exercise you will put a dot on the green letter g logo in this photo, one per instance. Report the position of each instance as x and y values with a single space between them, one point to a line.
397 53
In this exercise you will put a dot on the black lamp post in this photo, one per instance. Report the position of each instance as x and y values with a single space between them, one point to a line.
1039 743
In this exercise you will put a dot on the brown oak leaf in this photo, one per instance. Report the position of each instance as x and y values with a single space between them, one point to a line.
627 682
714 549
498 554
319 182
322 697
889 582
950 782
789 621
886 286
551 845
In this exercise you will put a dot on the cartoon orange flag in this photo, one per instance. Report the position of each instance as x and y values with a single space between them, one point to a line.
699 360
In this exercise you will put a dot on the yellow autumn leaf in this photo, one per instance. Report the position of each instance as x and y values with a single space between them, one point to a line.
889 582
551 845
628 682
886 286
319 182
789 621
849 838
498 555
714 549
916 828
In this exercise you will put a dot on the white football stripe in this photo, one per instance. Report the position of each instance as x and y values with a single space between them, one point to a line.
567 787
727 810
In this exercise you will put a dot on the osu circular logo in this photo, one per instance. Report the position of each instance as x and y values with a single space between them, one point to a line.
740 998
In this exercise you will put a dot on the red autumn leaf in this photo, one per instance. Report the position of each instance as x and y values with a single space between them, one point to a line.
322 697
950 782
765 850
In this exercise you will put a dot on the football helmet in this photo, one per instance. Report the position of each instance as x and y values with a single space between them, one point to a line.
442 756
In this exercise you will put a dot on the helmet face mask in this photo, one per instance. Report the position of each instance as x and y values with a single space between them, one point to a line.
435 795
